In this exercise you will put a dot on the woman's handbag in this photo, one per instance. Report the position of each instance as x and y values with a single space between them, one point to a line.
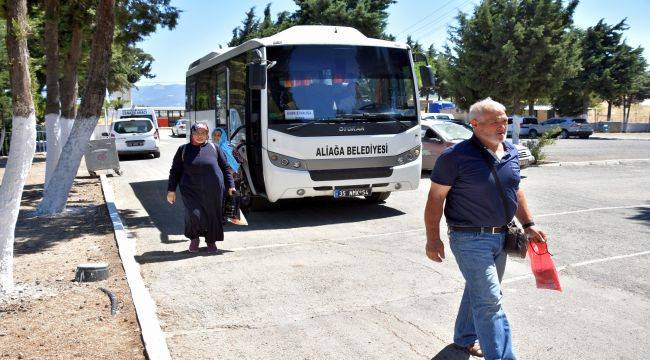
232 211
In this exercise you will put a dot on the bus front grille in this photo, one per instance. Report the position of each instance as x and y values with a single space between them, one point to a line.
350 174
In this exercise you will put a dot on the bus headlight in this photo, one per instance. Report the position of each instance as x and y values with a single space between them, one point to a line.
286 162
408 156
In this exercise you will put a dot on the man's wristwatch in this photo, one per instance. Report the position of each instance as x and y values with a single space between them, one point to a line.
528 224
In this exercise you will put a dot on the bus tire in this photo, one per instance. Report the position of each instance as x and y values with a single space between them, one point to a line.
378 197
259 203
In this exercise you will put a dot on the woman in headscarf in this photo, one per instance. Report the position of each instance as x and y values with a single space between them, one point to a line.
202 172
220 139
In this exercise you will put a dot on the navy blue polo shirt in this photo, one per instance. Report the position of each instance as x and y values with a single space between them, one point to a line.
474 199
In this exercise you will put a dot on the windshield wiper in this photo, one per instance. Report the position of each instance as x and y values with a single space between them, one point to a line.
302 125
393 116
298 126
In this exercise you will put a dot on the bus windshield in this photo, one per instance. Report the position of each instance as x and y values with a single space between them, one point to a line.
339 83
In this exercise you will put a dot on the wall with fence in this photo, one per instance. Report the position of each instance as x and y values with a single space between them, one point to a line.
5 141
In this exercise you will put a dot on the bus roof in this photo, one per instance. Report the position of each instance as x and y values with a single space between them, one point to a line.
295 35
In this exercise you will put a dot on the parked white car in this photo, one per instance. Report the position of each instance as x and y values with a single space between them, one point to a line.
180 128
136 136
437 116
529 127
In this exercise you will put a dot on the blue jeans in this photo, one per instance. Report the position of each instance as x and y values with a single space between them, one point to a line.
482 261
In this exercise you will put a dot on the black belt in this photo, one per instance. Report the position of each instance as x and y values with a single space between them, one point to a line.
479 229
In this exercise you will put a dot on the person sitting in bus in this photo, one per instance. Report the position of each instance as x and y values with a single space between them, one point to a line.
345 98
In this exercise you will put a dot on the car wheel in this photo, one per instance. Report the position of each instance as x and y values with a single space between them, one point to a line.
378 197
564 134
156 154
533 134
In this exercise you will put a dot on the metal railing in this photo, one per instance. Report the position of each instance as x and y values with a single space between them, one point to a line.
41 143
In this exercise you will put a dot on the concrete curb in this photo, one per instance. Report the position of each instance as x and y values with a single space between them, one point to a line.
596 137
145 308
598 162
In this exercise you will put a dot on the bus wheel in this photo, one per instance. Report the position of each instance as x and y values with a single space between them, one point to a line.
255 203
378 197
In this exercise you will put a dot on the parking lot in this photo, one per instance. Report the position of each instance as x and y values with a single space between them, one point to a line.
326 279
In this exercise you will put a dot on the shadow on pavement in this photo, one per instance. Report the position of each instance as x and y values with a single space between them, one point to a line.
287 214
164 256
133 157
82 217
643 215
37 159
451 352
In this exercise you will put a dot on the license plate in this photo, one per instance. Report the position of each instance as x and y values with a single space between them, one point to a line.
341 193
135 143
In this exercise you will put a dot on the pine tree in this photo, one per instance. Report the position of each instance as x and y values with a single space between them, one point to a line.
369 17
511 51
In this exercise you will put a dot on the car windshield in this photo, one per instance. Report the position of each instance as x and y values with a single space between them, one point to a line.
580 121
339 83
452 131
132 127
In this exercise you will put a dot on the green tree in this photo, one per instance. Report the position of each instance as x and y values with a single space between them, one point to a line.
368 16
248 30
549 50
601 52
610 70
511 50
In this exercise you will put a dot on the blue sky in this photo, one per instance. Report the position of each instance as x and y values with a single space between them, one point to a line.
204 24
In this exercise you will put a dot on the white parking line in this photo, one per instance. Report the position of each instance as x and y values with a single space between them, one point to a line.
343 239
593 209
579 264
336 240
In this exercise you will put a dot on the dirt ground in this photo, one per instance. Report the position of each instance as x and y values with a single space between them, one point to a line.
51 316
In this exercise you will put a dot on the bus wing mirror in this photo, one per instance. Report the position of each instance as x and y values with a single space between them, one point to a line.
426 75
257 76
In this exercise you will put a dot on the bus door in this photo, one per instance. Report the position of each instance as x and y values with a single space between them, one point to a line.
254 135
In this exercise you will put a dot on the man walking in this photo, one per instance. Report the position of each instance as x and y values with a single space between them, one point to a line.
474 211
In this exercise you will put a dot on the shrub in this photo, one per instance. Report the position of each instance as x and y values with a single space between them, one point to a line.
536 146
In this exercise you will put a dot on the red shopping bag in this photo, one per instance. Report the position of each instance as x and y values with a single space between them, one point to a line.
543 268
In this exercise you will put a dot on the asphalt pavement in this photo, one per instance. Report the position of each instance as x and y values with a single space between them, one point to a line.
568 150
326 279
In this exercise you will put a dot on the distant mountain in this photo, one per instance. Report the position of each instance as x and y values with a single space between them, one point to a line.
159 95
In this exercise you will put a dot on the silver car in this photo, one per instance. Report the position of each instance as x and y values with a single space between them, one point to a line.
570 127
437 135
180 128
